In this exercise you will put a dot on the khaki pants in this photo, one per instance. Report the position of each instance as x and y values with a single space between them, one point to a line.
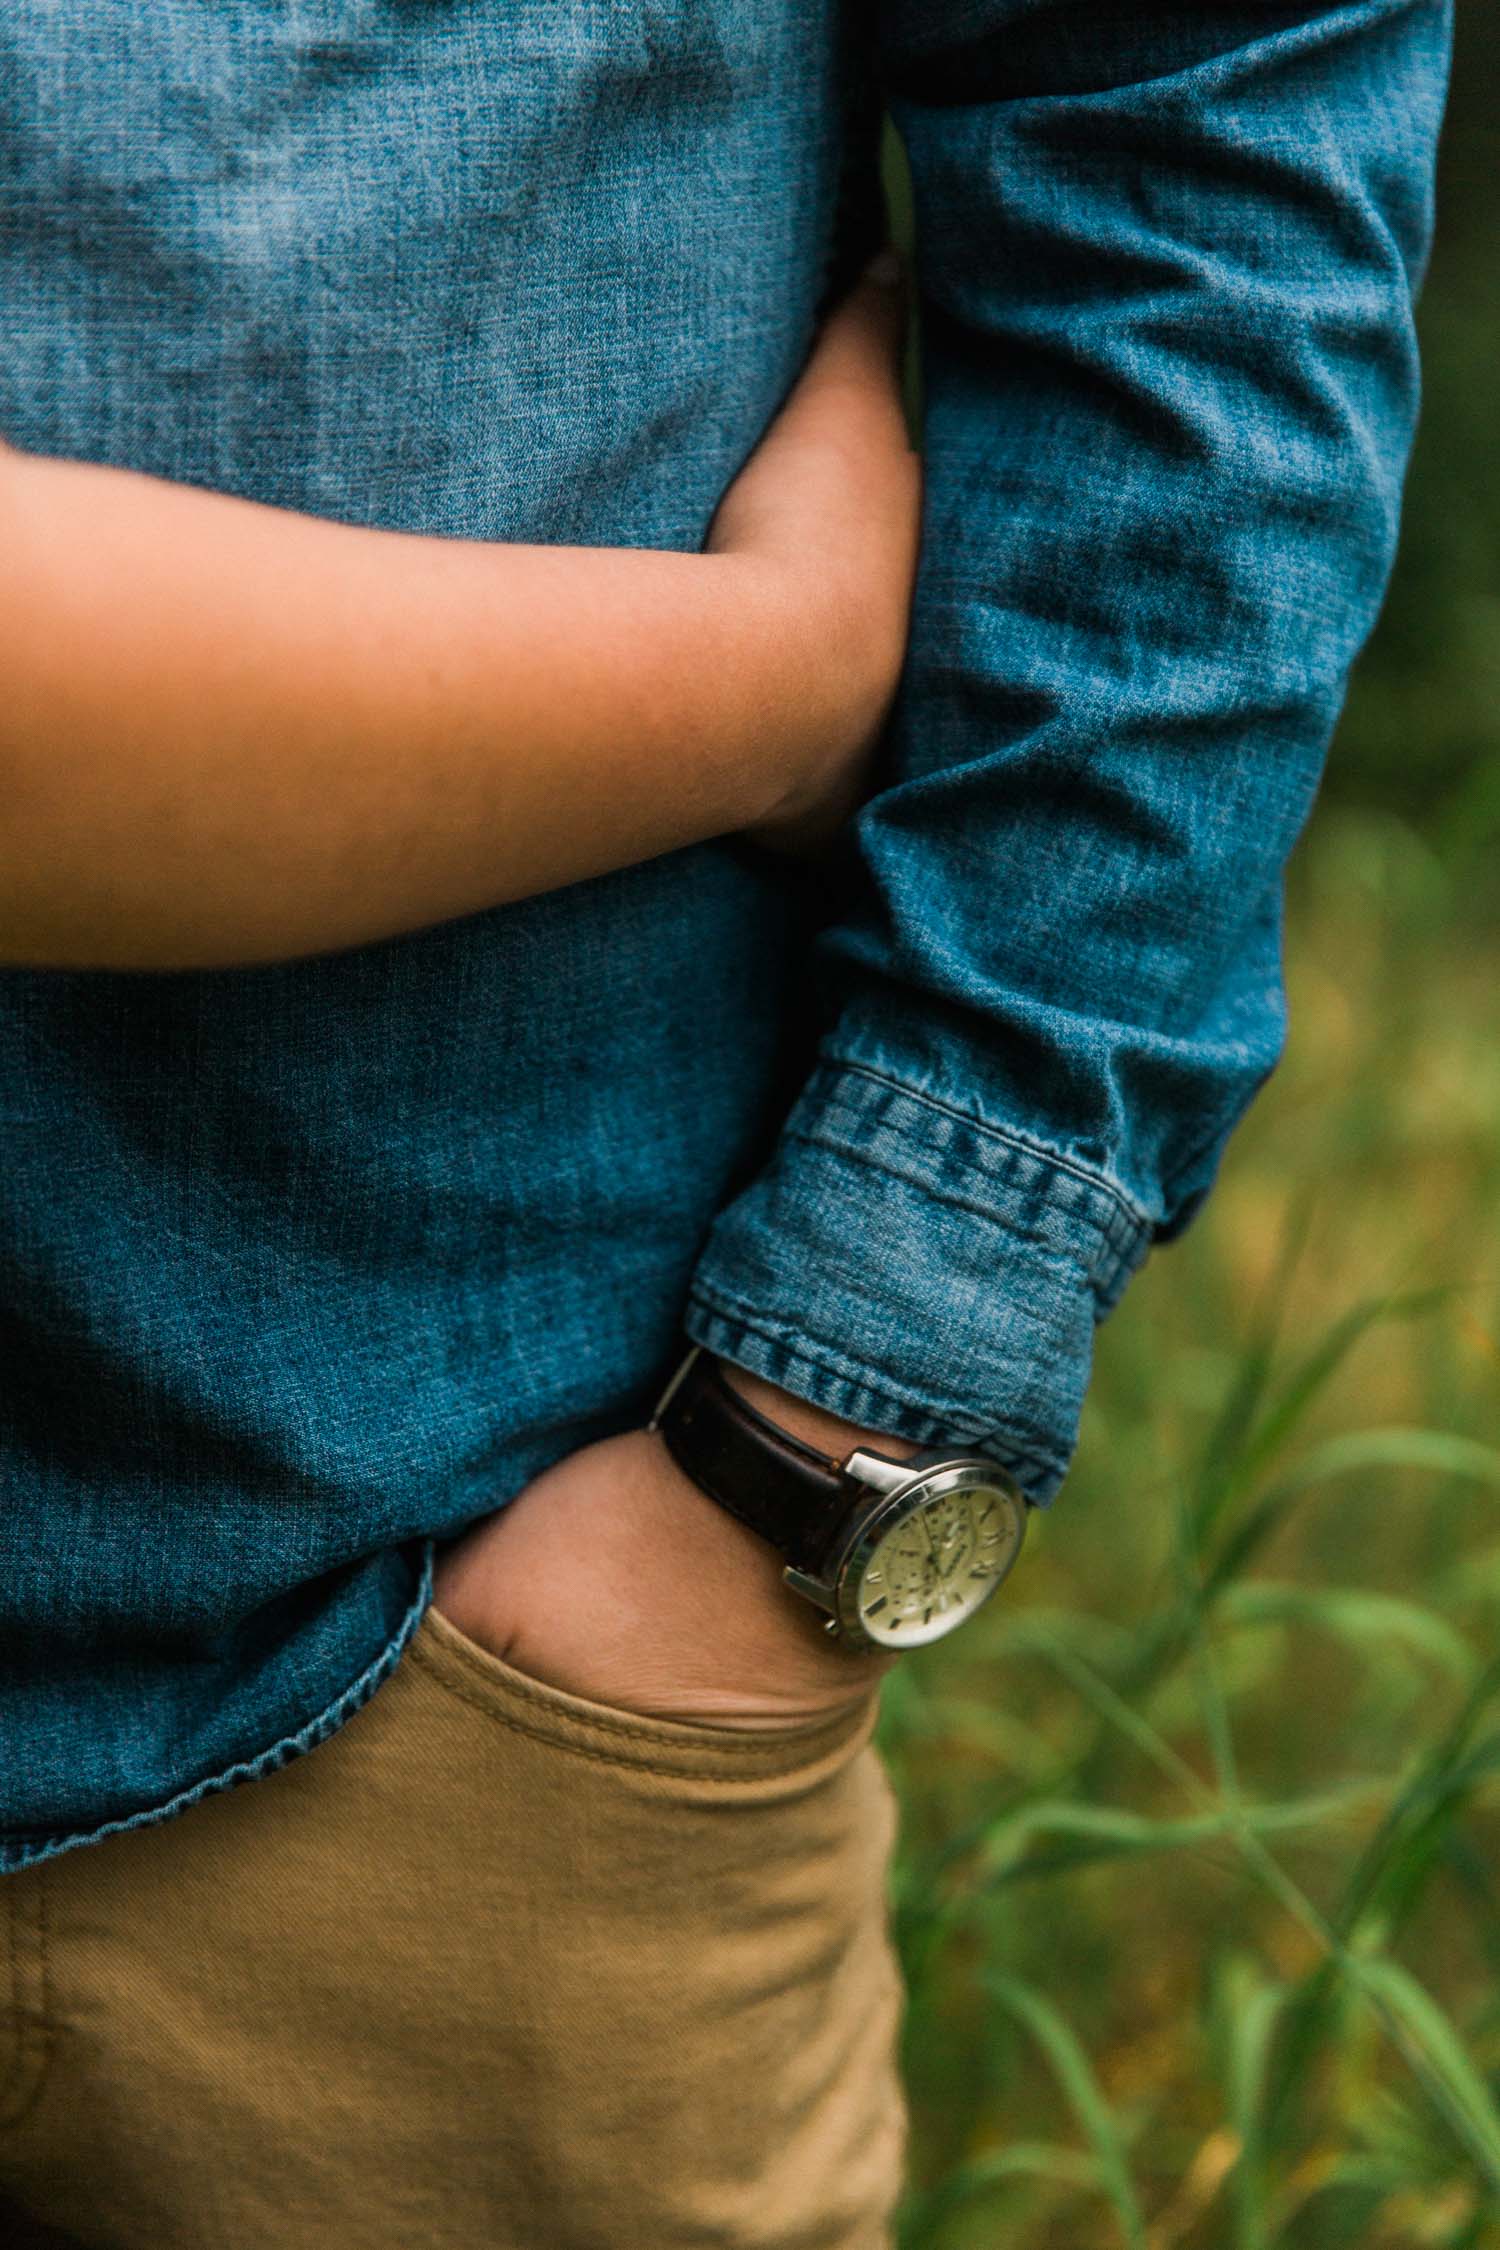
492 1967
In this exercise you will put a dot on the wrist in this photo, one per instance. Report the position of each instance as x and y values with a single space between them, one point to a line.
746 699
818 696
895 1543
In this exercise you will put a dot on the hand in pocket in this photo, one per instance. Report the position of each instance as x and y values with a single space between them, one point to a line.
613 1577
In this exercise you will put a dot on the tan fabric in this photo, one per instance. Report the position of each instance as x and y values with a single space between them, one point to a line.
492 1967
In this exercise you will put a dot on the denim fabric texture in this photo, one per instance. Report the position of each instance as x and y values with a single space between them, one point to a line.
304 1267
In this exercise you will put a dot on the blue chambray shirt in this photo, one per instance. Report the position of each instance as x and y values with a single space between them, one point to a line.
304 1267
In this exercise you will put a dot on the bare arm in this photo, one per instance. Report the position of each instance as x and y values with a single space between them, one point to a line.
230 733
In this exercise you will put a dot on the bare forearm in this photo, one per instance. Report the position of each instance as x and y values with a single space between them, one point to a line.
229 733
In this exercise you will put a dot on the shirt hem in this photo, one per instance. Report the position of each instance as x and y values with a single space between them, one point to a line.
17 1852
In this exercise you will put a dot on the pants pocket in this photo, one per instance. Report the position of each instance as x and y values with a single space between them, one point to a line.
694 1750
492 1965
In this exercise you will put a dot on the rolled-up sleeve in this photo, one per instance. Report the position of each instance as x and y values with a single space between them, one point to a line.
1166 260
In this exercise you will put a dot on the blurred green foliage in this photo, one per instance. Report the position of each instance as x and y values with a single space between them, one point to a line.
1422 731
1199 1892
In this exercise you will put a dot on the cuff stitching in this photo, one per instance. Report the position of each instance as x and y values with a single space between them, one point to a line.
1123 1230
1098 1182
917 1178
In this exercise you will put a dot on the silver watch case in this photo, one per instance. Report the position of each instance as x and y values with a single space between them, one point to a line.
900 1489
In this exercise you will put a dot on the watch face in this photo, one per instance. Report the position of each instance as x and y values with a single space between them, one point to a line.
929 1564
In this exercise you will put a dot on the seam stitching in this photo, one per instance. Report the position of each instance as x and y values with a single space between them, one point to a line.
813 1137
27 2076
22 2028
621 1763
32 1851
1097 1183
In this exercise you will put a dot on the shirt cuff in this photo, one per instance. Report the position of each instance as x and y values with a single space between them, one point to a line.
922 1272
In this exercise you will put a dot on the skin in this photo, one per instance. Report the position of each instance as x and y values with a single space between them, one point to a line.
234 734
613 1576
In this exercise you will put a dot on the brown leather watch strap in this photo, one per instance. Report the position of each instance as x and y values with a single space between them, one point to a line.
787 1491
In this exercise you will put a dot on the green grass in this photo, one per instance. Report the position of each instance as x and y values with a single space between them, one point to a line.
1199 1889
1198 1892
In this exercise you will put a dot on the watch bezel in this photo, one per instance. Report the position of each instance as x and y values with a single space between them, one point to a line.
927 1484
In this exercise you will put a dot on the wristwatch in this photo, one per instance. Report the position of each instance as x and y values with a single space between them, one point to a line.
895 1553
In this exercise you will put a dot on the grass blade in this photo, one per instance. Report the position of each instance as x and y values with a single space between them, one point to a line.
1354 1614
1246 2010
1394 1989
1075 2075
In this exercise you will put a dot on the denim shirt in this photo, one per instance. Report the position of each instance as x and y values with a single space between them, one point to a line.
303 1267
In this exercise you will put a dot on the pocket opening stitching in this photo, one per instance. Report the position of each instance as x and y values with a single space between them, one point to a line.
792 1757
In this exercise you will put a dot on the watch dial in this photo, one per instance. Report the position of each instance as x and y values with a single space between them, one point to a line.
935 1567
